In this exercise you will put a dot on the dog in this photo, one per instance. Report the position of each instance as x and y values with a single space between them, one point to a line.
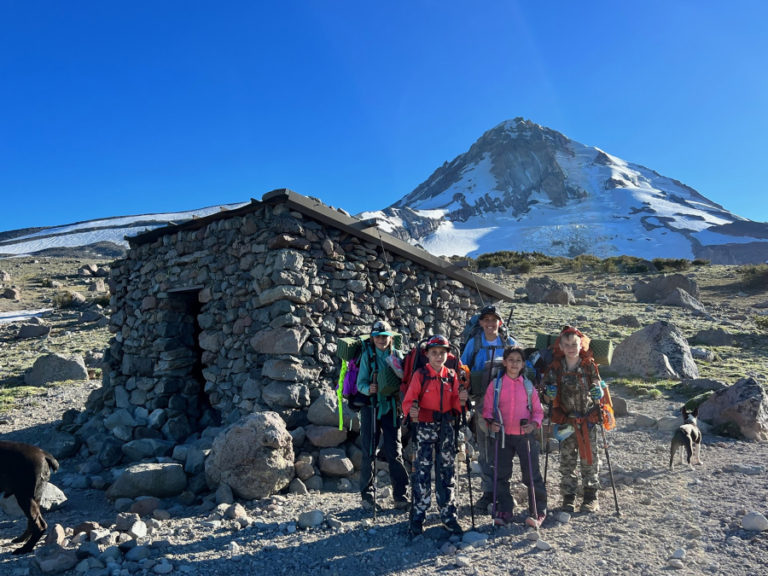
24 470
687 436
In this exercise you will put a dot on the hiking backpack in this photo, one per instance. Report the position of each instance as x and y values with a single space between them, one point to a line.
587 358
417 359
473 331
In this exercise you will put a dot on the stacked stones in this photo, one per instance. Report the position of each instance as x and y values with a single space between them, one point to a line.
242 315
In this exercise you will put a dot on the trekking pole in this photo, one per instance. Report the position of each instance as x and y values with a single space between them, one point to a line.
373 451
608 459
532 492
544 439
466 459
415 437
496 462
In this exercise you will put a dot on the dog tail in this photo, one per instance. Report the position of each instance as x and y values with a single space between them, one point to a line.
53 464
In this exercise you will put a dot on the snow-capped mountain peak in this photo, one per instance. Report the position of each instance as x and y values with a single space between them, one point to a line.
525 187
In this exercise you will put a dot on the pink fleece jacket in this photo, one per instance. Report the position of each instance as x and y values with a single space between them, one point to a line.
513 404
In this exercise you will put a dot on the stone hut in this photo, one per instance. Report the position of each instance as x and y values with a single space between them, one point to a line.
239 312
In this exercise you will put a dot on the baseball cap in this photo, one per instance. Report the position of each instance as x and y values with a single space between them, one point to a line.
381 328
490 310
438 341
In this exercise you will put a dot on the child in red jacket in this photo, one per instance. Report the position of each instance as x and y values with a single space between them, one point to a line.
433 401
512 407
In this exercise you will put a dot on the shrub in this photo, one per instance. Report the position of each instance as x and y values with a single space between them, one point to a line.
671 264
514 261
761 322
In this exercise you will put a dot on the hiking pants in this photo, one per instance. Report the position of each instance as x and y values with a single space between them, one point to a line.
434 437
393 451
484 447
569 458
517 445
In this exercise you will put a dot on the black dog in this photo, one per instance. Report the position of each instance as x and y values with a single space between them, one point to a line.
687 436
24 470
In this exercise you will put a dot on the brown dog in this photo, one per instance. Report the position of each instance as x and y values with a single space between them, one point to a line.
24 470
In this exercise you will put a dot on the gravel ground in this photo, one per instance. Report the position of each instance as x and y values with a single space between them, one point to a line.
687 521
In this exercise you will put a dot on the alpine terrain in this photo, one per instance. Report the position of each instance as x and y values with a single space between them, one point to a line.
526 187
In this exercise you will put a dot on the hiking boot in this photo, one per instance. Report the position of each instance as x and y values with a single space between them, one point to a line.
538 521
590 503
569 503
452 525
485 502
402 504
415 528
503 519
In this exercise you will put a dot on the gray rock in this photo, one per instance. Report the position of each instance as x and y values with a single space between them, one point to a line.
56 368
254 457
162 480
754 521
713 337
33 331
659 350
659 288
52 498
325 436
545 290
744 405
334 462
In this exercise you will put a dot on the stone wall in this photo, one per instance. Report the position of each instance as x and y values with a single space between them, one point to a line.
243 314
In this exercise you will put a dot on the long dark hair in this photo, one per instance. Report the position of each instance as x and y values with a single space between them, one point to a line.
509 350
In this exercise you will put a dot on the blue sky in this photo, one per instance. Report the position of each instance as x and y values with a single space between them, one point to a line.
126 107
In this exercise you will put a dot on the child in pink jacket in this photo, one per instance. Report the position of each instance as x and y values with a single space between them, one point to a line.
512 407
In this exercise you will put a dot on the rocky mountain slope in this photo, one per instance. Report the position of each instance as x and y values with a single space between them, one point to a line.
692 521
525 187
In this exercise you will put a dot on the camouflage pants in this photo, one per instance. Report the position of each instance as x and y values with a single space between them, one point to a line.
438 439
569 458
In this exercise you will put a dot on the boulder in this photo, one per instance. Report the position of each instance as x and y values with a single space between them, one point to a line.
545 290
659 350
51 499
713 337
254 457
704 384
744 405
658 289
56 368
33 331
324 410
10 293
334 462
325 436
162 480
681 298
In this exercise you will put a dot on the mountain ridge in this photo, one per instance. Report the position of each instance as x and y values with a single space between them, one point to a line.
520 186
522 180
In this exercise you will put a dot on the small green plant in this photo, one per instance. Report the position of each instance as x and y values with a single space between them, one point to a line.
761 322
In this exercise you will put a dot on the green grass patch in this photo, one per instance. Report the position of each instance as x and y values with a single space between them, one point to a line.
754 276
9 395
647 387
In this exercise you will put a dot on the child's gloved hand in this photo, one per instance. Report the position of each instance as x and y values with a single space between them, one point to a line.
551 390
596 392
